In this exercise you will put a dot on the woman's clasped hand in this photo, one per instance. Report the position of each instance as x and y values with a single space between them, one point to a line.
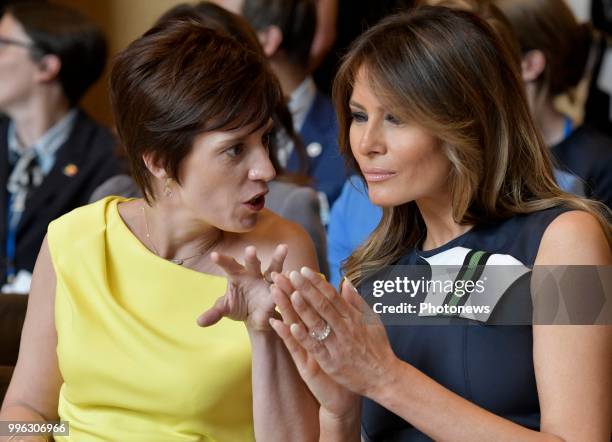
353 358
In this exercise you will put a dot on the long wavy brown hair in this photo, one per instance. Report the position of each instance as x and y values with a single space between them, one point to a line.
448 71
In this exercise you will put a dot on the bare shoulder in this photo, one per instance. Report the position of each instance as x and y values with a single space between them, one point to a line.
279 229
130 211
273 230
574 238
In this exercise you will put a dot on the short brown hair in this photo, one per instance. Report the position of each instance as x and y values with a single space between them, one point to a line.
297 20
66 33
486 10
181 79
550 26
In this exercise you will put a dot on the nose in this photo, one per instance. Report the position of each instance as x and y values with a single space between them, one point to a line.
370 139
262 168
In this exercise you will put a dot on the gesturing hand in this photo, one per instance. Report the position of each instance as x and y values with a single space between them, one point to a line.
247 297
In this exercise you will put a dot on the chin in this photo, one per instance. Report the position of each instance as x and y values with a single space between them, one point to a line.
386 199
246 223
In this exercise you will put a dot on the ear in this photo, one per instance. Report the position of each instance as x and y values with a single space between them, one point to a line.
532 65
49 67
270 39
154 167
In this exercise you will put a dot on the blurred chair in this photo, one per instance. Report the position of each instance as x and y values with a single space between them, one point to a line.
12 314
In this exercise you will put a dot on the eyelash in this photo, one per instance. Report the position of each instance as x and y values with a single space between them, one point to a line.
266 140
359 117
392 119
234 151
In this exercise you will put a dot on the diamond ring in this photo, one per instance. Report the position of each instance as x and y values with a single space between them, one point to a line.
321 335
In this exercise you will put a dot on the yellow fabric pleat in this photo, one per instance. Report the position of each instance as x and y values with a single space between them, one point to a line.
135 364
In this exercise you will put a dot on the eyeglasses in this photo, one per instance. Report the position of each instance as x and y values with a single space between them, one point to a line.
11 42
30 46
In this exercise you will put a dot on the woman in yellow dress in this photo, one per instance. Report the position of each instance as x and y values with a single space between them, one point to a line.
110 341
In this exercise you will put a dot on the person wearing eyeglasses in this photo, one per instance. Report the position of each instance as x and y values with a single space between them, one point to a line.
52 155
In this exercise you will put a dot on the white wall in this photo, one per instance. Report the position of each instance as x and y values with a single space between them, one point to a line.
581 8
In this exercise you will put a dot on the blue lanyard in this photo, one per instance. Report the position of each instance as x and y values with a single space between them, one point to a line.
11 241
568 127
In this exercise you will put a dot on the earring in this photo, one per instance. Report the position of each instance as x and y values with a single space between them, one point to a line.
167 188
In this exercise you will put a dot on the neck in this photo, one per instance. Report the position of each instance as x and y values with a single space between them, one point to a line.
438 217
551 123
289 75
549 120
174 234
40 113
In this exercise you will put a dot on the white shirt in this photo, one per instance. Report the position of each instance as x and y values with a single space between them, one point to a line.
299 105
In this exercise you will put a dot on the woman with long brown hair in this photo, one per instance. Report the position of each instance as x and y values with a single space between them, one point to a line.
433 114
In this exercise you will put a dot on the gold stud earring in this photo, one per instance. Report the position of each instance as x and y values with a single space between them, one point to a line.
167 188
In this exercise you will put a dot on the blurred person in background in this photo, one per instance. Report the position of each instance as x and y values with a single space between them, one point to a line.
52 154
598 106
285 29
555 50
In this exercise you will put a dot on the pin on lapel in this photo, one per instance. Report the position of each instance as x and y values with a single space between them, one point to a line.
71 170
314 149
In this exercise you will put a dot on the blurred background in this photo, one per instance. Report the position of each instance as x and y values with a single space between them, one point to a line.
123 20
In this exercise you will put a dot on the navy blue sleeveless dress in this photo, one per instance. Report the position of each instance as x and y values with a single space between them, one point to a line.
489 365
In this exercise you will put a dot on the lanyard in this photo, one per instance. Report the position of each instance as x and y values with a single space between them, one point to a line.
11 240
567 127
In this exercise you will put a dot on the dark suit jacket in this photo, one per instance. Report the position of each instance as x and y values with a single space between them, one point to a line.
327 168
587 153
90 148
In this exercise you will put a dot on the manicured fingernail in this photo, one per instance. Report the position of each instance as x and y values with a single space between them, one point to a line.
349 284
273 275
294 328
272 321
296 298
296 278
307 272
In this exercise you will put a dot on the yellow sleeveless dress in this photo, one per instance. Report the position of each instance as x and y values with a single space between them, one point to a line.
135 364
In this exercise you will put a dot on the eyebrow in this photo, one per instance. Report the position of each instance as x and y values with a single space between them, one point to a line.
240 138
267 127
355 104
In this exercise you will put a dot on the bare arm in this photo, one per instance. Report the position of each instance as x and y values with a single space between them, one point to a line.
572 365
34 389
573 362
283 407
